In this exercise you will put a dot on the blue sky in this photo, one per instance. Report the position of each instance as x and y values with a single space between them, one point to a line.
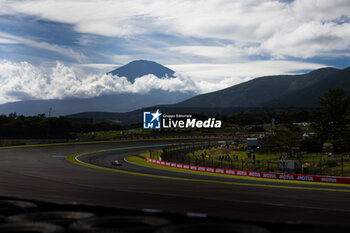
215 43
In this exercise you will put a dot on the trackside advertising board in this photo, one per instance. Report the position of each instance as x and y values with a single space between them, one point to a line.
266 175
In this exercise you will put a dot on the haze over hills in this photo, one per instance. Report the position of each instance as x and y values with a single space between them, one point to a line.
123 102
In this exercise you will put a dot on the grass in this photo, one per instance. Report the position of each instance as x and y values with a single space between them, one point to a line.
100 135
263 162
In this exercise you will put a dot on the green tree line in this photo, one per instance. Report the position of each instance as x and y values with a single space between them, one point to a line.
330 125
40 126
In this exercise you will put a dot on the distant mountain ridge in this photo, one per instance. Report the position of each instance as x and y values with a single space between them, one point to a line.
309 96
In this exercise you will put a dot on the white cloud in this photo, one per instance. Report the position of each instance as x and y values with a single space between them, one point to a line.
108 18
98 66
23 81
267 27
217 52
320 10
20 81
237 72
308 40
7 41
210 18
65 51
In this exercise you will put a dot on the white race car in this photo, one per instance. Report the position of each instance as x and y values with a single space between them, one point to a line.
117 163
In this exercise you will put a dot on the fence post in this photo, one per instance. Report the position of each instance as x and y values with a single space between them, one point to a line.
342 165
320 163
320 168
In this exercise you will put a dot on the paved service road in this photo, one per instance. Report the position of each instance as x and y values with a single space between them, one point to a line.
43 173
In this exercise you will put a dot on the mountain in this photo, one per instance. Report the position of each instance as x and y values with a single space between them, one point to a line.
260 92
309 96
140 68
112 102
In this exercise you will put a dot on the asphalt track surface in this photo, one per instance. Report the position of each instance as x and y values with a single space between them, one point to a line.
43 173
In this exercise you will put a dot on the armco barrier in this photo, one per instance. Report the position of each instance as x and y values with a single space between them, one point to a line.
266 175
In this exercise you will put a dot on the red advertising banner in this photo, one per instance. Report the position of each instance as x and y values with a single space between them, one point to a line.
266 175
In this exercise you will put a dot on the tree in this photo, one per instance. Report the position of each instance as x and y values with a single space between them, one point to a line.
332 120
284 141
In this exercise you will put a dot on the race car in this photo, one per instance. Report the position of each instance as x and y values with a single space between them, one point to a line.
117 163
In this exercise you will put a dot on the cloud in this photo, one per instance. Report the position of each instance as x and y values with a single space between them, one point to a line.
107 18
20 81
308 40
24 81
209 18
7 41
241 71
97 66
235 29
214 52
65 51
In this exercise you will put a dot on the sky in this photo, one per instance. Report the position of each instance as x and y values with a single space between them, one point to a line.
59 49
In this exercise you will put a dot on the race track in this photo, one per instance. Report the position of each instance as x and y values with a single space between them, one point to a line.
43 173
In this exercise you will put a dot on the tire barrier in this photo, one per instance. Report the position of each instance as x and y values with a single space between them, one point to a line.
30 227
63 218
11 207
76 218
319 230
218 227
